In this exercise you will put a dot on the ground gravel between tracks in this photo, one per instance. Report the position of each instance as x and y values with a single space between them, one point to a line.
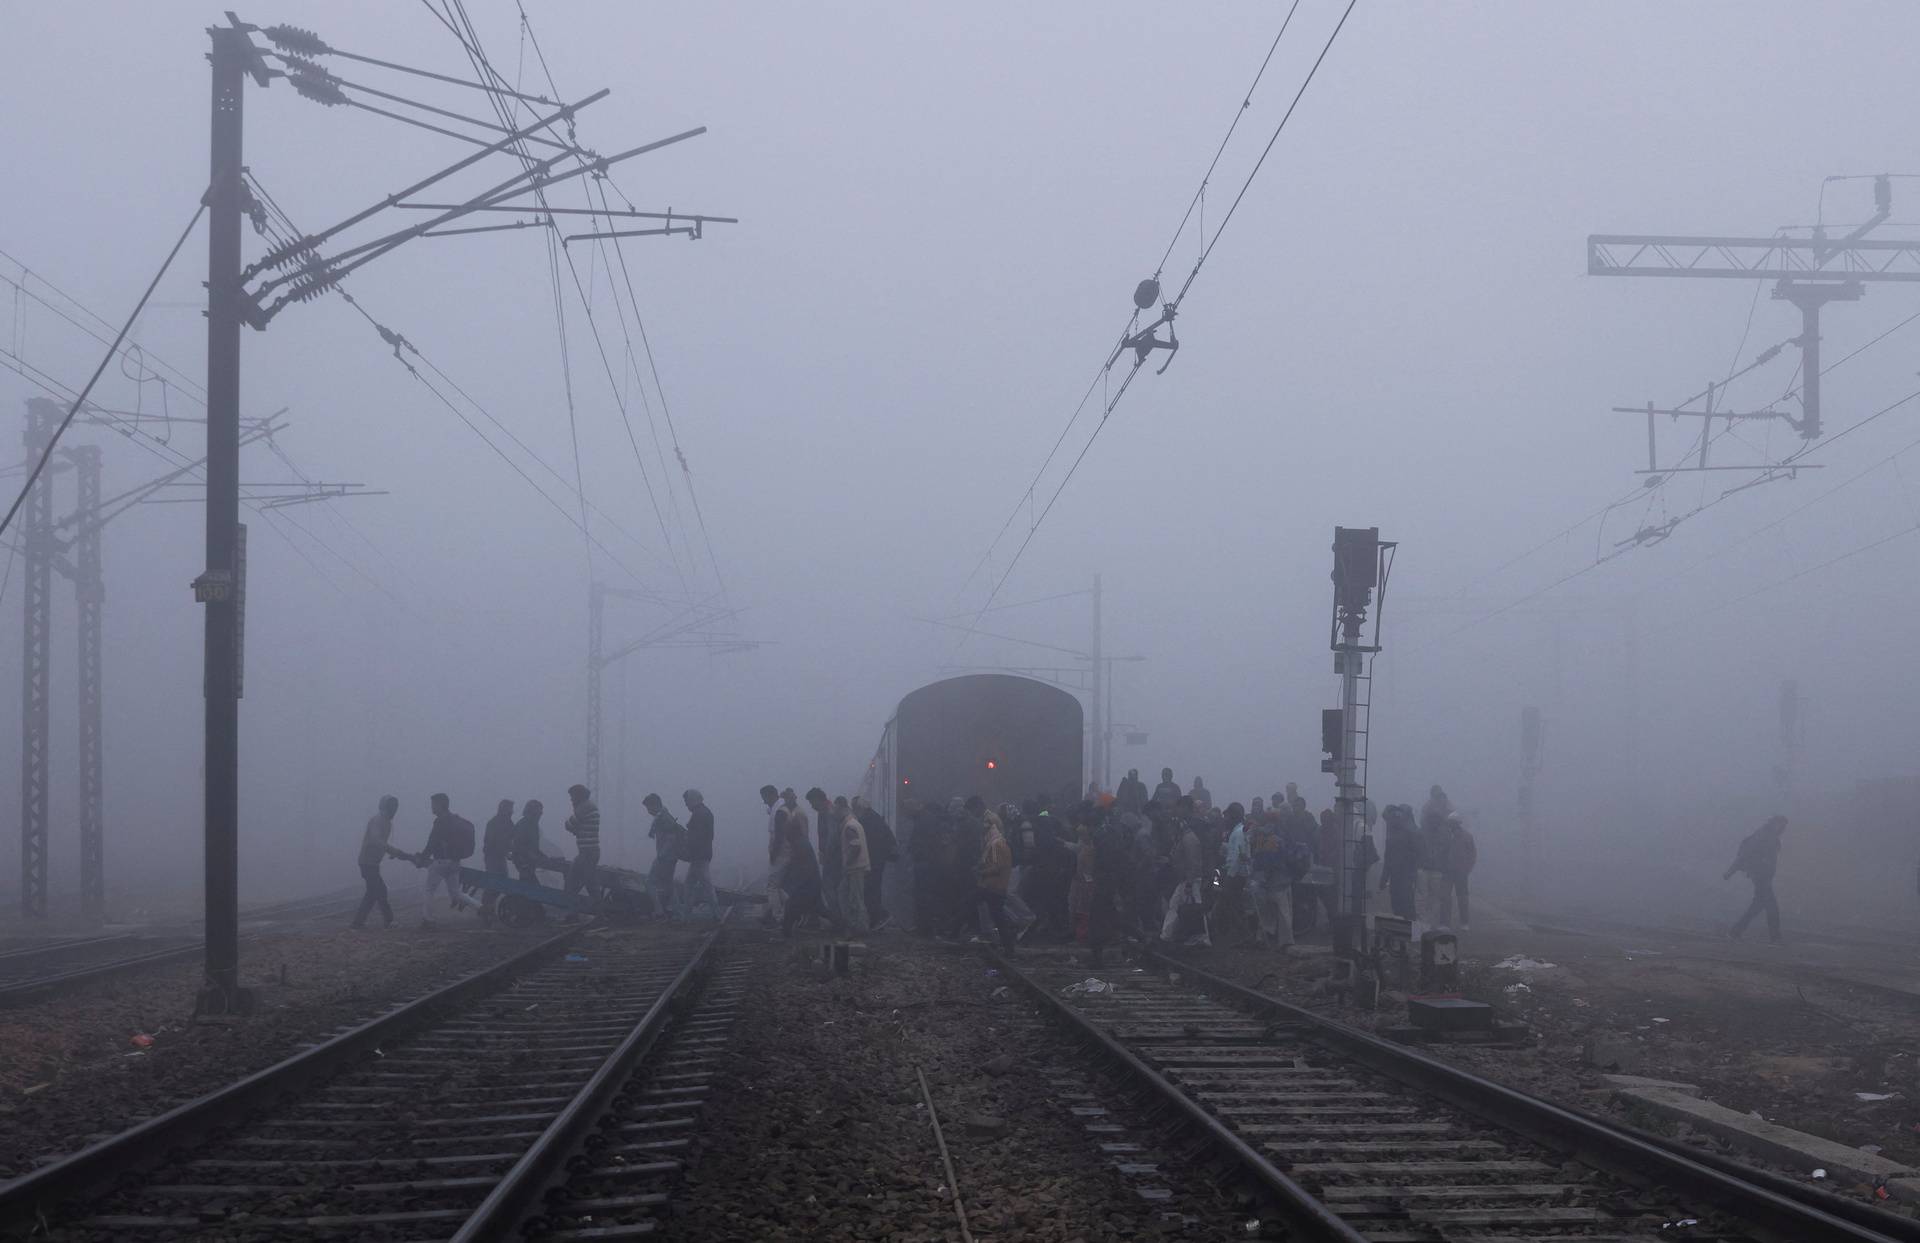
1786 1045
70 1071
819 1133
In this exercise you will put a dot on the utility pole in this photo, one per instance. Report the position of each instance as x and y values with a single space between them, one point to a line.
37 548
292 272
234 58
1097 753
1531 738
90 591
596 642
79 558
691 627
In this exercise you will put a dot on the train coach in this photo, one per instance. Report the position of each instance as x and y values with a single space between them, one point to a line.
998 735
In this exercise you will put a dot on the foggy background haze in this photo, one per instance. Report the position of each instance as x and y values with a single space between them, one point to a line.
943 211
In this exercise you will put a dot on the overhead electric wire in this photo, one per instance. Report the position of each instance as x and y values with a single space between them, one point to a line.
673 433
1764 472
529 36
398 342
1898 533
1140 359
164 450
1026 497
470 45
113 351
181 379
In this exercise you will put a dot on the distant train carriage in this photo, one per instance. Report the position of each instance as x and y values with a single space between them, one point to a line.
1003 737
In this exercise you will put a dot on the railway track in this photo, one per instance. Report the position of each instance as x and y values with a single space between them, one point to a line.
1350 1137
32 971
463 1114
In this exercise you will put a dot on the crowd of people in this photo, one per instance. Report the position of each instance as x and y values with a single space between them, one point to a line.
1166 864
1169 863
507 841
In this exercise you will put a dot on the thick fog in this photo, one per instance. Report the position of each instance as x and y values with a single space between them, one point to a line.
943 212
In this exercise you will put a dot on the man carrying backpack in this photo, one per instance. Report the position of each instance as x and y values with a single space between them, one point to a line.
1759 857
448 842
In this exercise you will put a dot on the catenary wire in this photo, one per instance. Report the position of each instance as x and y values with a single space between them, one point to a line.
1027 495
112 352
1140 360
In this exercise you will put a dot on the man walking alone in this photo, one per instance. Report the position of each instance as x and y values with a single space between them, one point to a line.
1758 856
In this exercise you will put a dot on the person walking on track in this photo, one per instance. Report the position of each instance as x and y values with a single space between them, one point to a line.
1758 856
373 852
698 852
666 834
584 824
496 843
448 842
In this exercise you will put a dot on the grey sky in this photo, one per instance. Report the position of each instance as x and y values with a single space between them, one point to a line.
944 210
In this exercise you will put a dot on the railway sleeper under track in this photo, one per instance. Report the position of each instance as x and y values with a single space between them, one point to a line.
449 1126
619 1183
1347 1138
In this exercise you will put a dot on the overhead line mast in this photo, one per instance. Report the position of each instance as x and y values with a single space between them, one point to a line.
304 273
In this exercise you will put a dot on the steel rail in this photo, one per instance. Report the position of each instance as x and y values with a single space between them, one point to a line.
517 1193
22 991
36 1195
54 947
1724 1184
1313 1218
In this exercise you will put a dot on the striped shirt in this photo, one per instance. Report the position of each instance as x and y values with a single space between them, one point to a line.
584 824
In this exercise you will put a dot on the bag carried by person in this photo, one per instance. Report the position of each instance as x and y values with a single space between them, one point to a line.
460 838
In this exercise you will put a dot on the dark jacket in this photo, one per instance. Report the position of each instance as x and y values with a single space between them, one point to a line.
803 866
1403 853
497 842
1758 856
882 847
444 841
697 846
667 835
525 849
1462 854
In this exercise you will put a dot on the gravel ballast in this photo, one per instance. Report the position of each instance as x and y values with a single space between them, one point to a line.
820 1132
73 1067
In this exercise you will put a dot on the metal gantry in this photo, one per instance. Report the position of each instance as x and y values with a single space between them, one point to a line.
1807 271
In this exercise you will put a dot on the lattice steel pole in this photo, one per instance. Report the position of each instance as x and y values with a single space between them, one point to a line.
596 610
36 538
90 590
